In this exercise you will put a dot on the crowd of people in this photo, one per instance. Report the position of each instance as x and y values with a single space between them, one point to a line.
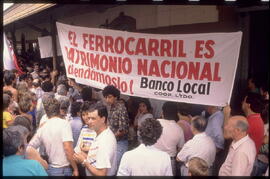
53 126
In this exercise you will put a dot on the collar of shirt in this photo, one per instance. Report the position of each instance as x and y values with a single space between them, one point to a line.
256 115
166 120
151 147
11 157
235 145
199 135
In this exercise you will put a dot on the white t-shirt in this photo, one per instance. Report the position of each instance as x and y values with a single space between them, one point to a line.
172 137
52 135
102 153
145 161
43 119
87 136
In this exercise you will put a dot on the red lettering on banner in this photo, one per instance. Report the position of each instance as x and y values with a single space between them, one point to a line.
72 38
173 69
83 59
216 72
109 44
129 52
153 47
174 48
70 54
183 66
94 61
154 68
113 64
163 69
91 41
194 69
99 43
206 72
104 63
70 69
142 67
119 41
141 47
78 56
181 52
198 48
119 65
85 40
127 65
165 47
208 46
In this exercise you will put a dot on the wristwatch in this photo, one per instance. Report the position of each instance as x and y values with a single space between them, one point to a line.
83 163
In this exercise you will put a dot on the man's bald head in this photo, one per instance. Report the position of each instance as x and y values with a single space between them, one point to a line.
240 122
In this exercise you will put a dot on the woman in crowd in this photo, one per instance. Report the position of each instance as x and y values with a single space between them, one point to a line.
144 112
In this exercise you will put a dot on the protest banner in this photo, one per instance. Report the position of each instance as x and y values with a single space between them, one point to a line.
191 68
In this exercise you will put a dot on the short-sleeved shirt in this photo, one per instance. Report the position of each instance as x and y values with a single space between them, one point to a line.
240 159
16 165
6 118
52 135
202 146
102 153
256 129
118 119
172 137
145 161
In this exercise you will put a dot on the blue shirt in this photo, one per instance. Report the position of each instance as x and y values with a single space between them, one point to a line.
214 129
76 126
16 165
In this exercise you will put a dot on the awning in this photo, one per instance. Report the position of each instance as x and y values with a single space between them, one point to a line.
19 11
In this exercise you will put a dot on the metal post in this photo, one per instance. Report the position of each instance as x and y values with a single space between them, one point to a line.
54 48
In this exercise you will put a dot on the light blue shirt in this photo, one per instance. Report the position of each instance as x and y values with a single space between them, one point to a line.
76 126
16 165
214 129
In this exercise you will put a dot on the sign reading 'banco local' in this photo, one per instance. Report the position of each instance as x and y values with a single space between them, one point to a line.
192 68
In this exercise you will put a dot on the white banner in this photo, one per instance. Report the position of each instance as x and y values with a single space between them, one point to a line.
191 68
45 46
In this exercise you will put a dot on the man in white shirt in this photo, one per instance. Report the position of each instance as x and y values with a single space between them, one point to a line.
56 136
200 145
242 152
101 158
172 137
146 160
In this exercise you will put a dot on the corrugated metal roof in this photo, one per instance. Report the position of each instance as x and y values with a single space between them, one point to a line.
19 11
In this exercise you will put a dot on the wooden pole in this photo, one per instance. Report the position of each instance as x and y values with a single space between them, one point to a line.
54 48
